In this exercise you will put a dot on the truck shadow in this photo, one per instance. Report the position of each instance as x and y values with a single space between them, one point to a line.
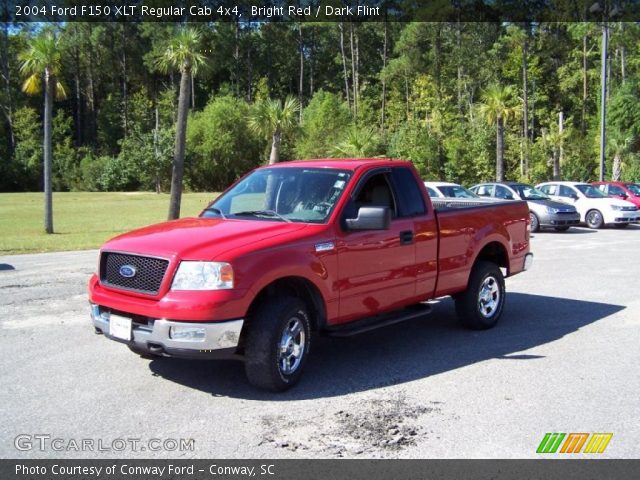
404 352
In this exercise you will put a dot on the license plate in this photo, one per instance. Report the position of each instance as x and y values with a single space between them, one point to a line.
120 327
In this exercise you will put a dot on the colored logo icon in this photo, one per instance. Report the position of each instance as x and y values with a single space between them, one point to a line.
574 443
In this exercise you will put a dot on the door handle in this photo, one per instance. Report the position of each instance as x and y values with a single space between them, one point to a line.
406 237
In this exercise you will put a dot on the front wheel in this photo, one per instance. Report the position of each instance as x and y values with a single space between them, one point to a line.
594 219
535 223
479 307
278 343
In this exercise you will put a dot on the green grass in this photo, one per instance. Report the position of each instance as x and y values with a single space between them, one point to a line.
82 220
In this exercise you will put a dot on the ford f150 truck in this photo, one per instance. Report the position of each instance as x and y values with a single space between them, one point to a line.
302 248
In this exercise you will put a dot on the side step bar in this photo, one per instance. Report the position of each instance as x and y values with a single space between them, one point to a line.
379 321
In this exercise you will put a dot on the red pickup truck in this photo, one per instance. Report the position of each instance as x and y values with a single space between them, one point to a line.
303 248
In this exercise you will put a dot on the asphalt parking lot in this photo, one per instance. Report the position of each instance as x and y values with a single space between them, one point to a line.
564 358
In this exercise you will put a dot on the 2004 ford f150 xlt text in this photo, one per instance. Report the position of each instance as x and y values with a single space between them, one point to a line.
301 248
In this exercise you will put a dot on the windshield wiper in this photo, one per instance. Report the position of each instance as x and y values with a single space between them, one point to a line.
215 210
265 213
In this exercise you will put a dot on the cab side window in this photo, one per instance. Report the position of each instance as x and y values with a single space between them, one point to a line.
375 192
410 199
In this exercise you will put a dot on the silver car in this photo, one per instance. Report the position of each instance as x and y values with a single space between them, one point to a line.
543 211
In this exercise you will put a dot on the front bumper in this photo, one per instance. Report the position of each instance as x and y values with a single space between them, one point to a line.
559 219
154 337
624 217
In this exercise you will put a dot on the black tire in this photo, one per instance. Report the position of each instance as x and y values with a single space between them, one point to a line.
621 225
561 229
479 307
594 219
535 223
142 353
266 365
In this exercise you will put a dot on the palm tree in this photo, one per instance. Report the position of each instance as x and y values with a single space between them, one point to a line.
182 53
554 141
619 145
359 143
272 119
43 60
497 109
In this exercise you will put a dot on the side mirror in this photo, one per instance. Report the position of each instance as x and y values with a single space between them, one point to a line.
574 197
623 196
370 218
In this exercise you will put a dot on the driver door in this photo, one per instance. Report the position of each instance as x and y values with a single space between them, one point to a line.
376 268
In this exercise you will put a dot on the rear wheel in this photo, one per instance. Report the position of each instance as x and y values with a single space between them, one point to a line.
479 307
535 223
278 343
594 219
561 229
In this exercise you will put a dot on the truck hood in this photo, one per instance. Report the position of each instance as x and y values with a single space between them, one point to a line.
198 238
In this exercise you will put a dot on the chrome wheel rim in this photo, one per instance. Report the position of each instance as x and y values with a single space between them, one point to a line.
291 346
594 218
489 297
534 222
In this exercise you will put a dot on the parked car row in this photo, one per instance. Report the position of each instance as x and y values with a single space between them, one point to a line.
558 204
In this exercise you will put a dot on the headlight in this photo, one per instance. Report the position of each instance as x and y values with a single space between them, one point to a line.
616 207
552 210
203 276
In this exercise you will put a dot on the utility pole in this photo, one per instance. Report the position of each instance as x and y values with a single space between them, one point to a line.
603 97
561 131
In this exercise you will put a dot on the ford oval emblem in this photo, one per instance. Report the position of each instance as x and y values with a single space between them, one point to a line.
128 271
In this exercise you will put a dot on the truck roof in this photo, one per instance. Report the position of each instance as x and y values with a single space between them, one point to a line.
341 163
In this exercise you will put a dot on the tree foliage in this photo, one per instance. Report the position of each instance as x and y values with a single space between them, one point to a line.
450 97
221 147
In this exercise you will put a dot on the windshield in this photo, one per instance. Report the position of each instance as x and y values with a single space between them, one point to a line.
456 191
590 191
527 192
634 188
291 194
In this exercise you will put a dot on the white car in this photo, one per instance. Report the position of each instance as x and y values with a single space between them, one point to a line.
595 208
448 190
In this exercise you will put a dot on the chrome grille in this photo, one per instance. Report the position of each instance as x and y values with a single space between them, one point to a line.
149 272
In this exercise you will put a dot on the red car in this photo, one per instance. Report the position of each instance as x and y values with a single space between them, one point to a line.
624 190
301 248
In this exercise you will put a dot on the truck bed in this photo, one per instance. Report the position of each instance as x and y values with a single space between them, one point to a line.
464 228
